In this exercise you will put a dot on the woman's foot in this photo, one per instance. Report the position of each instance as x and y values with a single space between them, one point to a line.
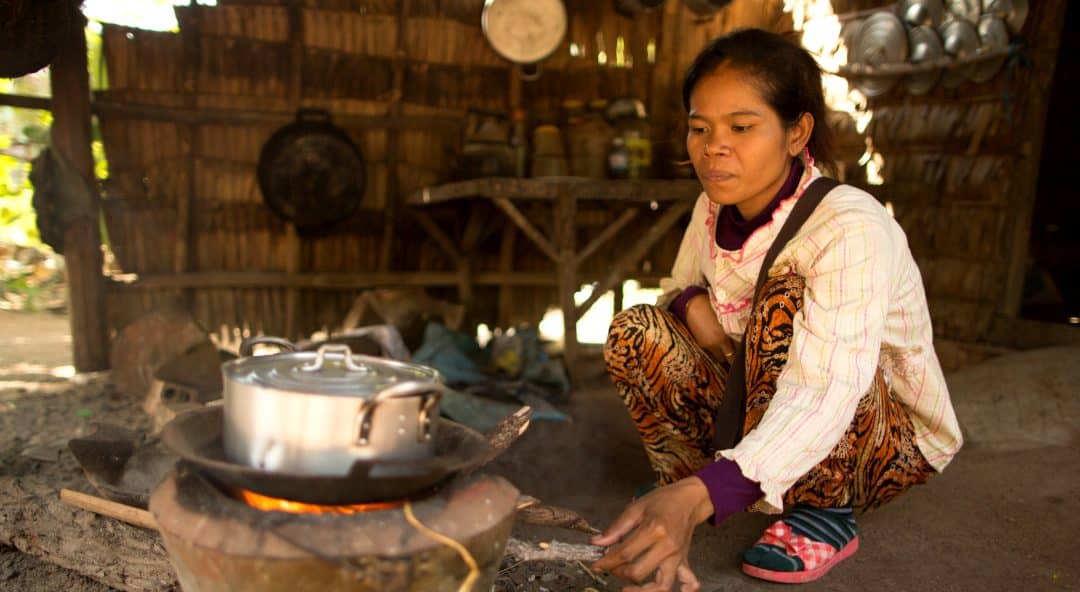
803 546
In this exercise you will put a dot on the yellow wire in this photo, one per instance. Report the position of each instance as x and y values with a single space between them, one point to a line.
466 556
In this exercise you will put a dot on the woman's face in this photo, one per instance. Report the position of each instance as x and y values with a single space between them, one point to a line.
737 143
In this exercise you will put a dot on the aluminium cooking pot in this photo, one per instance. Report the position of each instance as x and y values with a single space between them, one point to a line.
318 412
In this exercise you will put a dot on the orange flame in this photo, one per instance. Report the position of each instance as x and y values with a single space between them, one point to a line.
272 504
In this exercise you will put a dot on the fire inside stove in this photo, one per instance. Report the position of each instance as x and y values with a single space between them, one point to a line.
276 504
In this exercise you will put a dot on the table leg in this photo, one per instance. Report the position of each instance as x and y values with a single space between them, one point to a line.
565 214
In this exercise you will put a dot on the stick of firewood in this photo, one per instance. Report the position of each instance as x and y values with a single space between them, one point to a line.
98 505
532 511
553 551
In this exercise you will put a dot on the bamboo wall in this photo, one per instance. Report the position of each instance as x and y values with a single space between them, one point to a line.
186 115
182 194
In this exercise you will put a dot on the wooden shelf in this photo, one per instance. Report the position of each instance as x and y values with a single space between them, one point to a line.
548 188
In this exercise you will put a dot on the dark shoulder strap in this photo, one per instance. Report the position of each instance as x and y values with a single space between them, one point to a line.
728 426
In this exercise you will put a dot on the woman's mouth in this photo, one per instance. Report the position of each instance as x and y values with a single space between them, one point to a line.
716 176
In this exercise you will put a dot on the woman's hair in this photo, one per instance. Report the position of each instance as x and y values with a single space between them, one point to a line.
786 75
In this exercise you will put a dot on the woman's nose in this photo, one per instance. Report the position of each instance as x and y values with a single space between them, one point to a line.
715 146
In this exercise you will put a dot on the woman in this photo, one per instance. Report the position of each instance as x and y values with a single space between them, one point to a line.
845 403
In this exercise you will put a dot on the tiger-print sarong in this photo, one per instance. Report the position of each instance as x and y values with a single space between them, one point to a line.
672 389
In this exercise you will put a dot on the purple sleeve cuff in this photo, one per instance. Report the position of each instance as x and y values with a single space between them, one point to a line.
678 306
729 490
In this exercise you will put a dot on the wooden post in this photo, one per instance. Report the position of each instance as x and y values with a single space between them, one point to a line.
507 244
292 238
393 143
1049 20
565 214
82 241
186 232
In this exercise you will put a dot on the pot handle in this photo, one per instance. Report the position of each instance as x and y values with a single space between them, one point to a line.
247 346
431 392
335 348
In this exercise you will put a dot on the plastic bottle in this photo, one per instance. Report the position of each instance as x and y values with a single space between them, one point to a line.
618 159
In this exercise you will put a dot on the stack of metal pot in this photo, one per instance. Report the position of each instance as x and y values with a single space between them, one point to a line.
946 34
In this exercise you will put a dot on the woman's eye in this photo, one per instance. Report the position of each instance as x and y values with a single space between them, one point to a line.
697 130
740 128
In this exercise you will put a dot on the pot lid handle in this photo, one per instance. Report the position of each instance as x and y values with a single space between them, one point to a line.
335 349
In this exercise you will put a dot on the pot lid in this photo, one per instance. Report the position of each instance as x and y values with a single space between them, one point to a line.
968 10
332 370
1014 12
881 40
921 12
993 36
960 40
925 47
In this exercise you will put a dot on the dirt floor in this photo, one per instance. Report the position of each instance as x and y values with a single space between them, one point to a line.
1002 517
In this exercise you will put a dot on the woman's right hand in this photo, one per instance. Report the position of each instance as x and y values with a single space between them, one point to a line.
706 329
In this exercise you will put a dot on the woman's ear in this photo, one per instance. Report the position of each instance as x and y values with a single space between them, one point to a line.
799 134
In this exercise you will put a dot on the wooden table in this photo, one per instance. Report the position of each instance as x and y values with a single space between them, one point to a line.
671 197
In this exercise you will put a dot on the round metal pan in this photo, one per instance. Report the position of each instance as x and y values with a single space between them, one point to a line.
968 10
1013 12
916 13
195 436
881 39
993 36
960 40
311 173
925 47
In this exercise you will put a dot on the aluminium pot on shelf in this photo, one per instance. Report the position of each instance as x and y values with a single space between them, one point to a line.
311 173
318 413
960 40
925 47
993 37
1013 12
881 40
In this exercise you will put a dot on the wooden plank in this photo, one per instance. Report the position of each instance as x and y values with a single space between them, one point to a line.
632 256
607 234
437 233
25 102
324 281
527 227
548 188
206 115
82 240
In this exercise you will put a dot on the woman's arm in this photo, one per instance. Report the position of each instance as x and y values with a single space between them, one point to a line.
686 271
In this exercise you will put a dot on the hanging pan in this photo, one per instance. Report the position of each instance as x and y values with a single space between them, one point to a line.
881 40
925 47
1013 12
960 40
993 36
311 173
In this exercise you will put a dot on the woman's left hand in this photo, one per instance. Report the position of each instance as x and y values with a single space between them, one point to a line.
653 534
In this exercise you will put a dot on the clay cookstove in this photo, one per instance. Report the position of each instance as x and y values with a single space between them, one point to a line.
227 528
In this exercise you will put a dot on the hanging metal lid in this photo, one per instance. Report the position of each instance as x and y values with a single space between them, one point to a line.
993 36
925 47
968 10
1013 12
332 370
881 40
916 13
960 40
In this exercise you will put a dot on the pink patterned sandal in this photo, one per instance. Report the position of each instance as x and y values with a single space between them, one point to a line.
817 558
